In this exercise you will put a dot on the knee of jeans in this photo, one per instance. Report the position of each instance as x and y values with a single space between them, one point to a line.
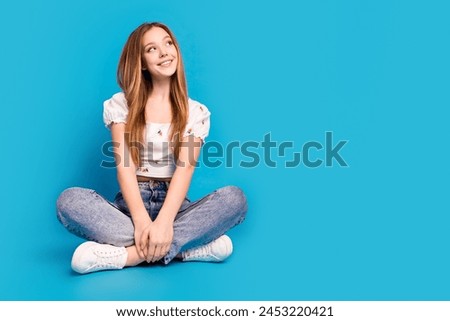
235 198
65 201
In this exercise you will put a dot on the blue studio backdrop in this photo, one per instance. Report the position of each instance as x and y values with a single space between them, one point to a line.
372 74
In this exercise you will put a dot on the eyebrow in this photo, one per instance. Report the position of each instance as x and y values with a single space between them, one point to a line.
151 43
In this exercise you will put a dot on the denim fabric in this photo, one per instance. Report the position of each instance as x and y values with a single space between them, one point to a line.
89 215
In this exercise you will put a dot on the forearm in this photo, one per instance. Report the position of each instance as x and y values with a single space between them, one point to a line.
131 194
176 194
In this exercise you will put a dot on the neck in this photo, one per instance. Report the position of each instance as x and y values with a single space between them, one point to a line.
161 89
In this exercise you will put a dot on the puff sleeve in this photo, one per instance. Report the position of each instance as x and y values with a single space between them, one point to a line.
198 121
115 110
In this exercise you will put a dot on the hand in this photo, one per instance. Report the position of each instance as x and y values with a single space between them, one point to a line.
160 236
141 230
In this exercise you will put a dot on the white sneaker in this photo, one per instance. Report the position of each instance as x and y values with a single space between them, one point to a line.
92 257
216 251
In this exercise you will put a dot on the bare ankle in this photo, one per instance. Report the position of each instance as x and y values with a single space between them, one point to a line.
133 258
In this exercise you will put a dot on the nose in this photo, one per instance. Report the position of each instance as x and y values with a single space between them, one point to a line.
162 53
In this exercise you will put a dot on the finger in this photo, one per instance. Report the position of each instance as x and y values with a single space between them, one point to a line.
165 251
144 244
137 242
158 253
151 252
143 250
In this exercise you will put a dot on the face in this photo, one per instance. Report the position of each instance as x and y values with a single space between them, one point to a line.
160 53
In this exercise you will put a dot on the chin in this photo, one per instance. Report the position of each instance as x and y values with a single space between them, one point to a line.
169 73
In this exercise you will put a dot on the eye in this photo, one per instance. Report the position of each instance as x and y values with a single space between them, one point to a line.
150 49
169 43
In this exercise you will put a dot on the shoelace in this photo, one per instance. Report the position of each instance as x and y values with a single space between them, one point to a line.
202 251
109 258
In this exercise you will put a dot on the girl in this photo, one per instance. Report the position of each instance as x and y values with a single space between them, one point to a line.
157 134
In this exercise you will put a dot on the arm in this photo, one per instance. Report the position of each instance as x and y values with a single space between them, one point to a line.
161 230
126 176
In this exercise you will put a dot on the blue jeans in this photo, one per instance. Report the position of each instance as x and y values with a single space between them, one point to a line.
89 215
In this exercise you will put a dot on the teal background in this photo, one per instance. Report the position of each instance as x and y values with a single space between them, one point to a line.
375 73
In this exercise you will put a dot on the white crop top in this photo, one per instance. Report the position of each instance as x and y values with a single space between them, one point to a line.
157 156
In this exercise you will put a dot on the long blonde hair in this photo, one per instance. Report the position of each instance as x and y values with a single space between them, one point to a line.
137 85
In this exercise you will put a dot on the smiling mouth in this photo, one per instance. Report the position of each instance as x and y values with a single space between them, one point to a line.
165 63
